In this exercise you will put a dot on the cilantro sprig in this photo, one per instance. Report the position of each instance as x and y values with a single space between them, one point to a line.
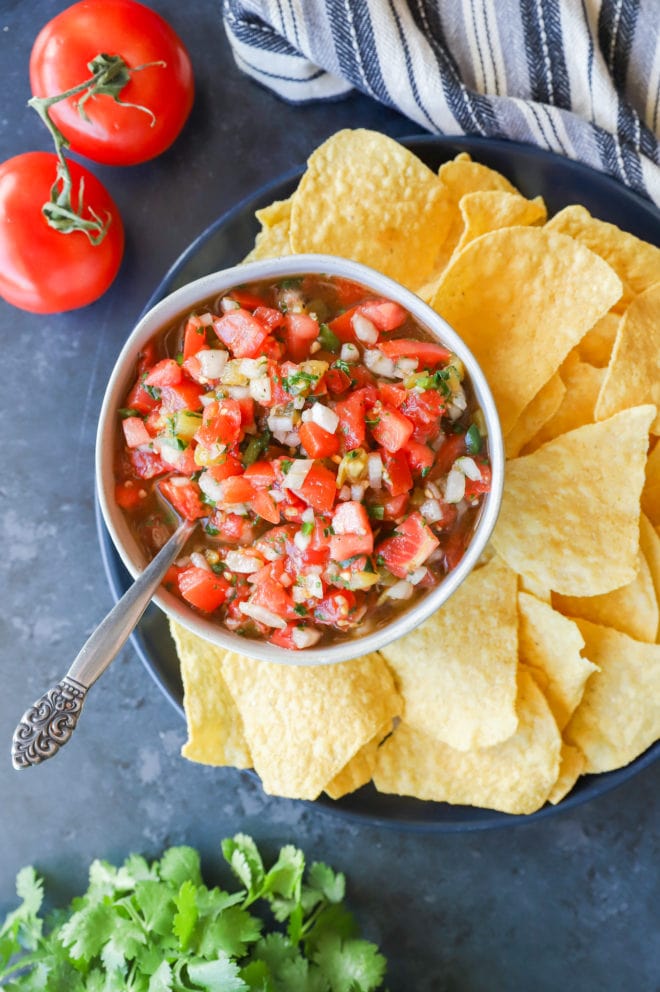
158 928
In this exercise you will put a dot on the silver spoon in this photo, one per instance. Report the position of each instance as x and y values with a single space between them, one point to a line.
49 723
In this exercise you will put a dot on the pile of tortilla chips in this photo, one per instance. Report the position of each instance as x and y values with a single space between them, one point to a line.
545 664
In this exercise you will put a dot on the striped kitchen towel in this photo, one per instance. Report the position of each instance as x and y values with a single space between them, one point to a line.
578 77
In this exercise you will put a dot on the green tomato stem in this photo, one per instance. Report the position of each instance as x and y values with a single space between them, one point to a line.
110 74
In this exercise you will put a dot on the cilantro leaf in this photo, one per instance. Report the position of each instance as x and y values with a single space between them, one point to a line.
350 964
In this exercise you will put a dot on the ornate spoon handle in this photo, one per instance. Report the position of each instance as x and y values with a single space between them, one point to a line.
49 723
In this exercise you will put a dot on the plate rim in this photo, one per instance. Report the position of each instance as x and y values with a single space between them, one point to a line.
476 818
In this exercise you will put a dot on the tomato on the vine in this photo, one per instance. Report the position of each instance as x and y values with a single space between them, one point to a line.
42 269
150 109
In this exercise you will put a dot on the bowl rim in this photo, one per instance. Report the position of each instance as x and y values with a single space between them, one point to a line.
219 281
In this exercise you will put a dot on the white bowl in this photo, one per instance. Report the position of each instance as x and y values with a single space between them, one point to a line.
186 298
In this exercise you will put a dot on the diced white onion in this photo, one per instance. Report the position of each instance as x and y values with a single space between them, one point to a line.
455 486
211 487
301 540
261 614
200 561
227 304
206 319
468 467
246 564
207 398
357 491
314 586
431 511
375 470
239 392
364 329
308 515
453 412
378 363
276 495
260 389
169 452
349 353
402 589
306 415
295 477
253 368
325 417
298 402
416 577
459 399
212 362
292 439
345 493
407 366
305 637
299 594
431 490
280 423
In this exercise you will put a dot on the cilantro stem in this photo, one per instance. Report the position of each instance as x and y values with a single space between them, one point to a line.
110 74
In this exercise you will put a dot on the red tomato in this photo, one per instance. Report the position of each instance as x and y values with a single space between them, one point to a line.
390 428
317 442
241 333
319 488
135 432
409 547
194 338
115 134
41 269
397 476
426 352
164 373
205 590
184 495
299 331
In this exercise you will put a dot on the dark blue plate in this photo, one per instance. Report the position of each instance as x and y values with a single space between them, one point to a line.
224 243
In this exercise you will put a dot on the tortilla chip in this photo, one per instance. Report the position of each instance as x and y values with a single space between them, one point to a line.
550 647
303 724
490 210
527 584
366 197
462 176
271 242
636 262
215 728
500 294
596 345
275 213
572 765
570 510
582 384
649 545
537 413
457 671
619 716
651 491
632 609
633 375
515 776
359 769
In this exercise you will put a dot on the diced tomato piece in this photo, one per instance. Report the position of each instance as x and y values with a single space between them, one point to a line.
409 547
230 466
147 464
397 476
351 413
265 507
237 489
164 373
184 396
241 333
320 537
452 448
261 474
385 315
141 399
426 352
395 506
352 531
475 487
233 529
246 404
394 395
299 331
203 589
273 543
347 291
147 357
194 337
183 461
389 427
135 432
185 497
336 607
221 424
278 396
362 378
319 488
246 299
283 637
420 456
342 326
292 507
317 442
273 596
127 495
343 546
269 317
425 410
337 381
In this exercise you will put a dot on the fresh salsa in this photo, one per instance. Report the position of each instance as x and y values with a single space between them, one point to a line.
334 454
